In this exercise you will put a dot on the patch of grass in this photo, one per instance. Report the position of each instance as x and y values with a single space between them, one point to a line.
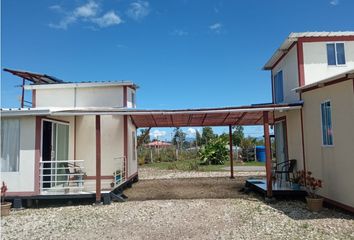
193 165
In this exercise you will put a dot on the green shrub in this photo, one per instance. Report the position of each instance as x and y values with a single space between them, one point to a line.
214 153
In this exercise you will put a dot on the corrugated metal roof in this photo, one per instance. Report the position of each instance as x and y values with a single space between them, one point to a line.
36 78
348 74
293 37
243 115
82 85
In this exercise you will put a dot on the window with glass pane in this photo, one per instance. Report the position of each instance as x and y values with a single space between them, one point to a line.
278 87
340 53
133 99
10 145
133 146
335 54
331 54
327 131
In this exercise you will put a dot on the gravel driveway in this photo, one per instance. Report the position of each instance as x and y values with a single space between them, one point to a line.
184 208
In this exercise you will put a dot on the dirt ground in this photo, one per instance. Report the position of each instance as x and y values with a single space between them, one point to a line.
186 188
181 205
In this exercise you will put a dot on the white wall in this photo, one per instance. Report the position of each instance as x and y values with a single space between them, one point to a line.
334 165
315 61
111 143
99 97
290 75
64 97
23 181
111 96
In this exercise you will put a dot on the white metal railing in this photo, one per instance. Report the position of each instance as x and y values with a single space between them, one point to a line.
62 176
119 173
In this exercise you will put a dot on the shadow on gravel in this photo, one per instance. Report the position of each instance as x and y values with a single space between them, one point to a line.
297 210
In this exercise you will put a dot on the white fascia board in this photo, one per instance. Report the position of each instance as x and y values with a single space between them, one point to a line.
24 112
167 112
78 85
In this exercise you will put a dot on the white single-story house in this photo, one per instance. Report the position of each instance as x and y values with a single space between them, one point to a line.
48 154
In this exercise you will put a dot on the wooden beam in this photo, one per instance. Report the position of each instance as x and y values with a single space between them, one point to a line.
231 153
189 119
153 118
227 115
204 119
98 158
268 156
131 118
240 118
172 120
259 119
23 93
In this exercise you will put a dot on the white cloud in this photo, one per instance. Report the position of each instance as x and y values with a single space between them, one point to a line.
215 26
157 133
191 132
109 19
179 32
56 8
334 2
64 23
138 10
87 12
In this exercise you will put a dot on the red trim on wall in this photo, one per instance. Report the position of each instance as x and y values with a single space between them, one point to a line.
125 96
302 138
37 154
34 98
98 158
339 80
125 139
338 205
284 54
300 63
326 39
268 153
20 194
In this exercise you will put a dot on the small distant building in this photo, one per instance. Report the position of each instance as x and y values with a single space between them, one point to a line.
158 144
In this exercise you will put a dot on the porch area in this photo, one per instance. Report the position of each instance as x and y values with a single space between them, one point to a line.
279 187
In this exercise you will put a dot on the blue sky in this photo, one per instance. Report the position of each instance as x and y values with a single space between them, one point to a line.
182 54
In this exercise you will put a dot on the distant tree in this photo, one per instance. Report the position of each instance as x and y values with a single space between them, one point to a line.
224 137
237 135
198 138
144 136
207 135
179 138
